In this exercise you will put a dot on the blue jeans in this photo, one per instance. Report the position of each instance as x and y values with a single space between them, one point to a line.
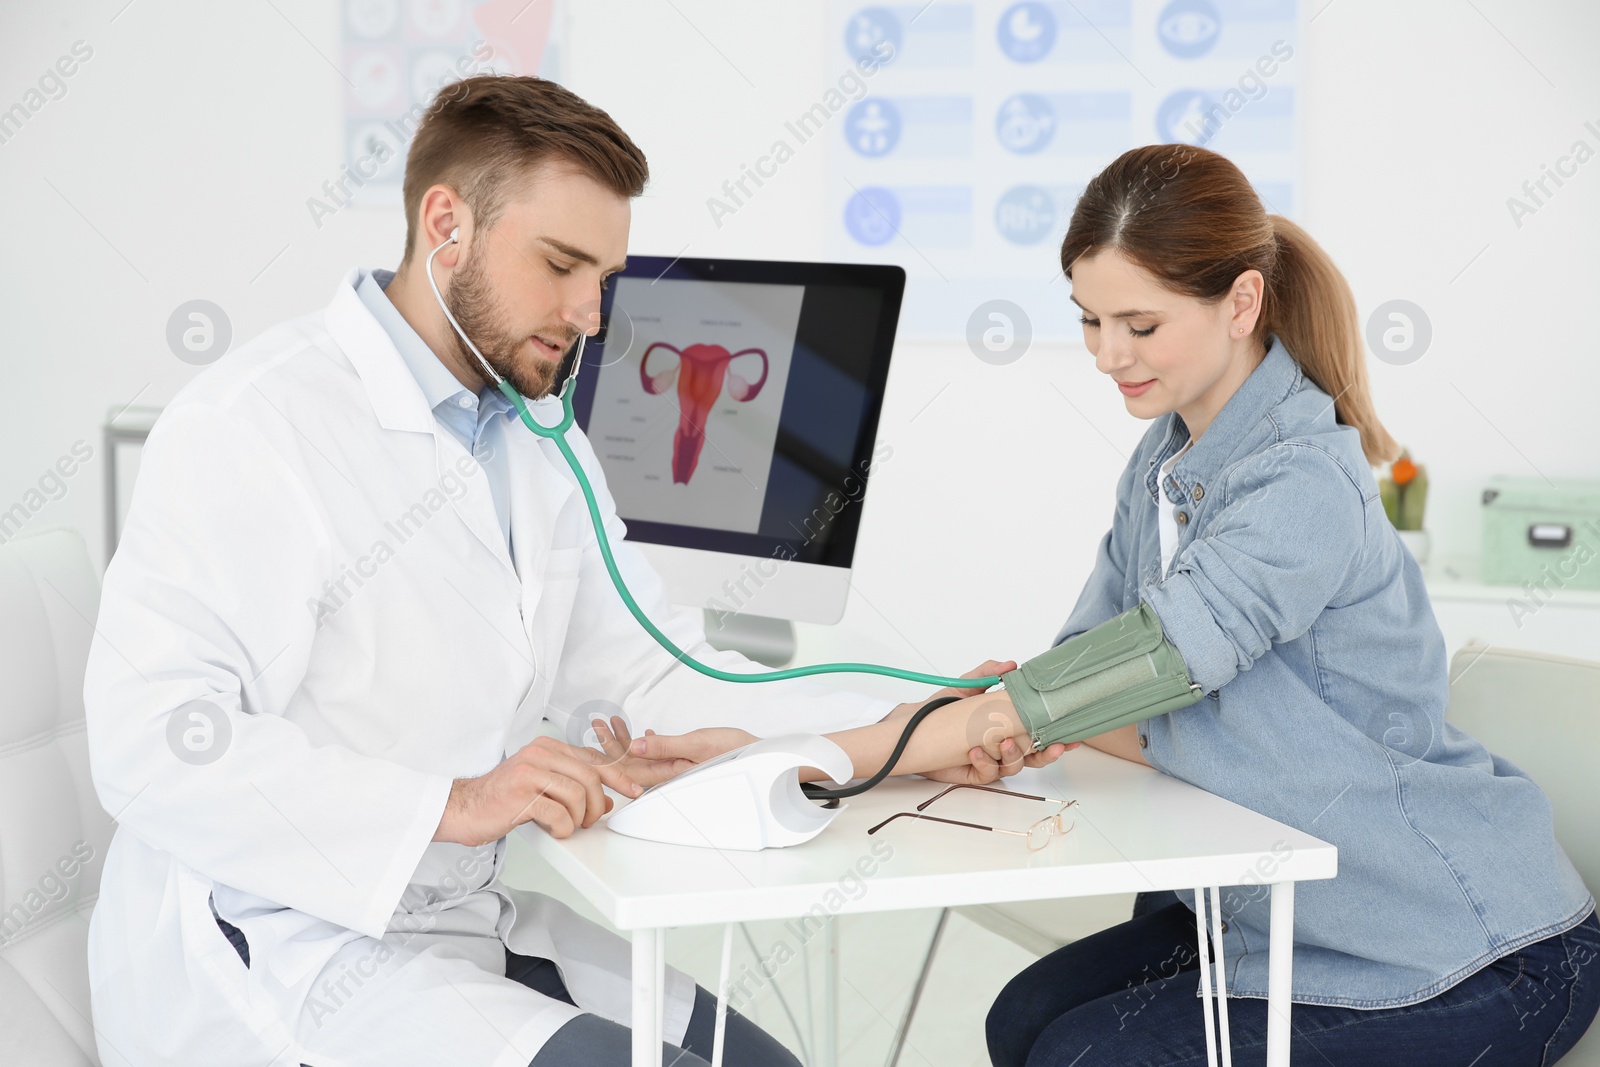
1124 992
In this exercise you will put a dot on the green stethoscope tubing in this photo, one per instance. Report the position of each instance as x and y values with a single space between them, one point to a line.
557 433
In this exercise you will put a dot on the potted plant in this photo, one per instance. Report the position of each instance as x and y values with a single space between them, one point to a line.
1404 490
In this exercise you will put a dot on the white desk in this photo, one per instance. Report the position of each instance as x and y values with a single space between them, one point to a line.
1563 620
1137 830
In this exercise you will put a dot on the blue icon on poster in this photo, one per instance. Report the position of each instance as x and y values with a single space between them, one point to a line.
1188 116
1188 28
873 215
872 127
1025 124
1027 31
1025 214
866 28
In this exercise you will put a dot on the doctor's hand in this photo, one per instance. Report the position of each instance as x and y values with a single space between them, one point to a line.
546 781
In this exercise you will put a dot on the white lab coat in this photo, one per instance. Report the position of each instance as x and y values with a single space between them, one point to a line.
303 553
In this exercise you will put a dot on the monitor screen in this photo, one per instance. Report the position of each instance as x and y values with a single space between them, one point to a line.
734 404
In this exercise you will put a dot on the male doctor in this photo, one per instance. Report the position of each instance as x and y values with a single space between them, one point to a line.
350 588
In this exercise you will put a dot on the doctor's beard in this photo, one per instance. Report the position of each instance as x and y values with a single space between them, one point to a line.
472 301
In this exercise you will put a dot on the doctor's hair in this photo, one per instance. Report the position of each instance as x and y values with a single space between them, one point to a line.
1190 218
482 135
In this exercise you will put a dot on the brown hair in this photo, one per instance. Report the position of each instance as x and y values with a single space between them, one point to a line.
482 134
1189 217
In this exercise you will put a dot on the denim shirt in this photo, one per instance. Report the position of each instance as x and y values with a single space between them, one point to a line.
1306 622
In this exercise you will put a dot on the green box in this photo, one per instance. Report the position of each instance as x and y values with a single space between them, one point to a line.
1544 532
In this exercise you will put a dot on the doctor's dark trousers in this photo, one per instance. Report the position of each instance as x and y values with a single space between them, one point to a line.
590 1041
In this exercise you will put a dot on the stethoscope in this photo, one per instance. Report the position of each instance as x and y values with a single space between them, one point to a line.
557 433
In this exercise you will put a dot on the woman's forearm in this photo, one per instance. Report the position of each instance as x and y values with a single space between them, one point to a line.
1123 741
942 740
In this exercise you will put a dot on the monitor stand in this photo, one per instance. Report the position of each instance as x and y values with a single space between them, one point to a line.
764 639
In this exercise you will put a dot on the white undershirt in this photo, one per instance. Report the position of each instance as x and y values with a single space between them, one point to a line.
1167 524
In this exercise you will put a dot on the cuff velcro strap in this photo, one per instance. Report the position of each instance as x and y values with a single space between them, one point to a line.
1119 672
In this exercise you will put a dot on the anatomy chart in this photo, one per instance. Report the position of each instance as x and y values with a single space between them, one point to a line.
686 419
962 155
398 55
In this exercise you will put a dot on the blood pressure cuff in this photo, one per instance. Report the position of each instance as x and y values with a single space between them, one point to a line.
1122 671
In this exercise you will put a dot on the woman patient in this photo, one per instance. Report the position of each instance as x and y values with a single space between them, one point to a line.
1247 526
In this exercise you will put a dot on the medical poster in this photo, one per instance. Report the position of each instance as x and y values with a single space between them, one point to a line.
398 54
961 156
686 421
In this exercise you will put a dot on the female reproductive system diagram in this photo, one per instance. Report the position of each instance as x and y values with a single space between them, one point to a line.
701 371
686 421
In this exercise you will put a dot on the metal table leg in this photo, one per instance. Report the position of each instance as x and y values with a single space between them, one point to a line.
1280 971
828 1054
646 1018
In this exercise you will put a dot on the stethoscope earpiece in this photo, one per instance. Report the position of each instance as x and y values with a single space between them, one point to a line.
438 296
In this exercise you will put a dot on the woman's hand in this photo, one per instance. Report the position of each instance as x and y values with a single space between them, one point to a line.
654 758
984 769
1003 738
1004 754
663 756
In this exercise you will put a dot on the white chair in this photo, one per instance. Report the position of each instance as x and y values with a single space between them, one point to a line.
1541 712
53 832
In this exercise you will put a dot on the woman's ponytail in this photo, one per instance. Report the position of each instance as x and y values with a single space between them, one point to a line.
1310 307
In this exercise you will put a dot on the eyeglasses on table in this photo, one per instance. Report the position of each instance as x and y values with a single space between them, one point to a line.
1037 835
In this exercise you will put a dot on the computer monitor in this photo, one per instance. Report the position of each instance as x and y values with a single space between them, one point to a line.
734 406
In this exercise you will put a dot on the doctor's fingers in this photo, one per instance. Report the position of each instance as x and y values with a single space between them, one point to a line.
572 776
550 800
558 800
605 769
616 743
614 738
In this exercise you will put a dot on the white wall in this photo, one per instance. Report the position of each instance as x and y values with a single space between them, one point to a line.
179 161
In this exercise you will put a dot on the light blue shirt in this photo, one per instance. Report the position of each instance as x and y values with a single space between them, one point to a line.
478 421
1307 624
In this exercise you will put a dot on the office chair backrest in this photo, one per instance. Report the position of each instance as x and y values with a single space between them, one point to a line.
1541 712
53 832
